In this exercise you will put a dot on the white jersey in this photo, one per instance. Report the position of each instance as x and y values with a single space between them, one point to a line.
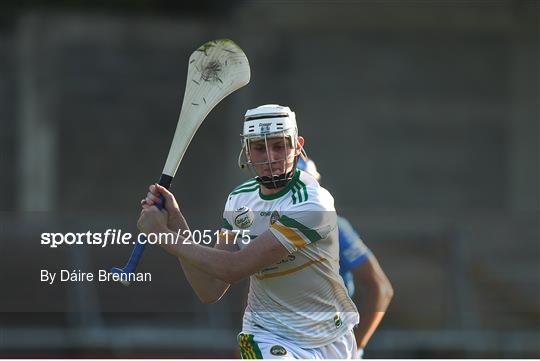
302 298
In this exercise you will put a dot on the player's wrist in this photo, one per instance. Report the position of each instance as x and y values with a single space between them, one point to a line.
163 230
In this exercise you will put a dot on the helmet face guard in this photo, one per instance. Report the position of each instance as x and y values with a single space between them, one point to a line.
273 180
262 124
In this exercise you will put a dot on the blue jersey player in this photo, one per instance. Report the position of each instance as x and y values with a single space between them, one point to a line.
366 282
352 253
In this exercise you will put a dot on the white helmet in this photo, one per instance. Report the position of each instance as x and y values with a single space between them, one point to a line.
264 122
271 120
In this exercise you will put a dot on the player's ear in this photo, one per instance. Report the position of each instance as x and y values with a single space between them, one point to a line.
300 143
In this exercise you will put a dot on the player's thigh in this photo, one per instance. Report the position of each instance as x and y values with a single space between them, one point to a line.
342 348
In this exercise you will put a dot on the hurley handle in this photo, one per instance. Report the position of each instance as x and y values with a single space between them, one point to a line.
138 250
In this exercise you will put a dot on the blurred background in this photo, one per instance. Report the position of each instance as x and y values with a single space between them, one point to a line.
422 116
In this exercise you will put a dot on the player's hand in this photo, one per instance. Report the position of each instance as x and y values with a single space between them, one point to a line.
174 220
153 220
152 197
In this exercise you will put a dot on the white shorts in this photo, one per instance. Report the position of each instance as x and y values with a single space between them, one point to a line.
273 347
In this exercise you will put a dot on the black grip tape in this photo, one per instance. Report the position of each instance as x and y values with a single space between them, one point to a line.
165 181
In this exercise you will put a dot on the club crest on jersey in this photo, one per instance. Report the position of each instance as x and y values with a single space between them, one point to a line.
274 217
243 217
278 350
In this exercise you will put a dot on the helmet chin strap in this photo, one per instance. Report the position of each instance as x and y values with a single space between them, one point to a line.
278 181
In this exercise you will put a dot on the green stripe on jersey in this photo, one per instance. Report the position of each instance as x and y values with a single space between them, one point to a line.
247 184
304 188
299 193
245 190
227 225
311 234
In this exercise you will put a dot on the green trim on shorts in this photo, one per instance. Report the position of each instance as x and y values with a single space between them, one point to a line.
249 349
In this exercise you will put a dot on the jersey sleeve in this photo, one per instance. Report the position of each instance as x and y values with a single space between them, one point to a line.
306 222
352 250
227 222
